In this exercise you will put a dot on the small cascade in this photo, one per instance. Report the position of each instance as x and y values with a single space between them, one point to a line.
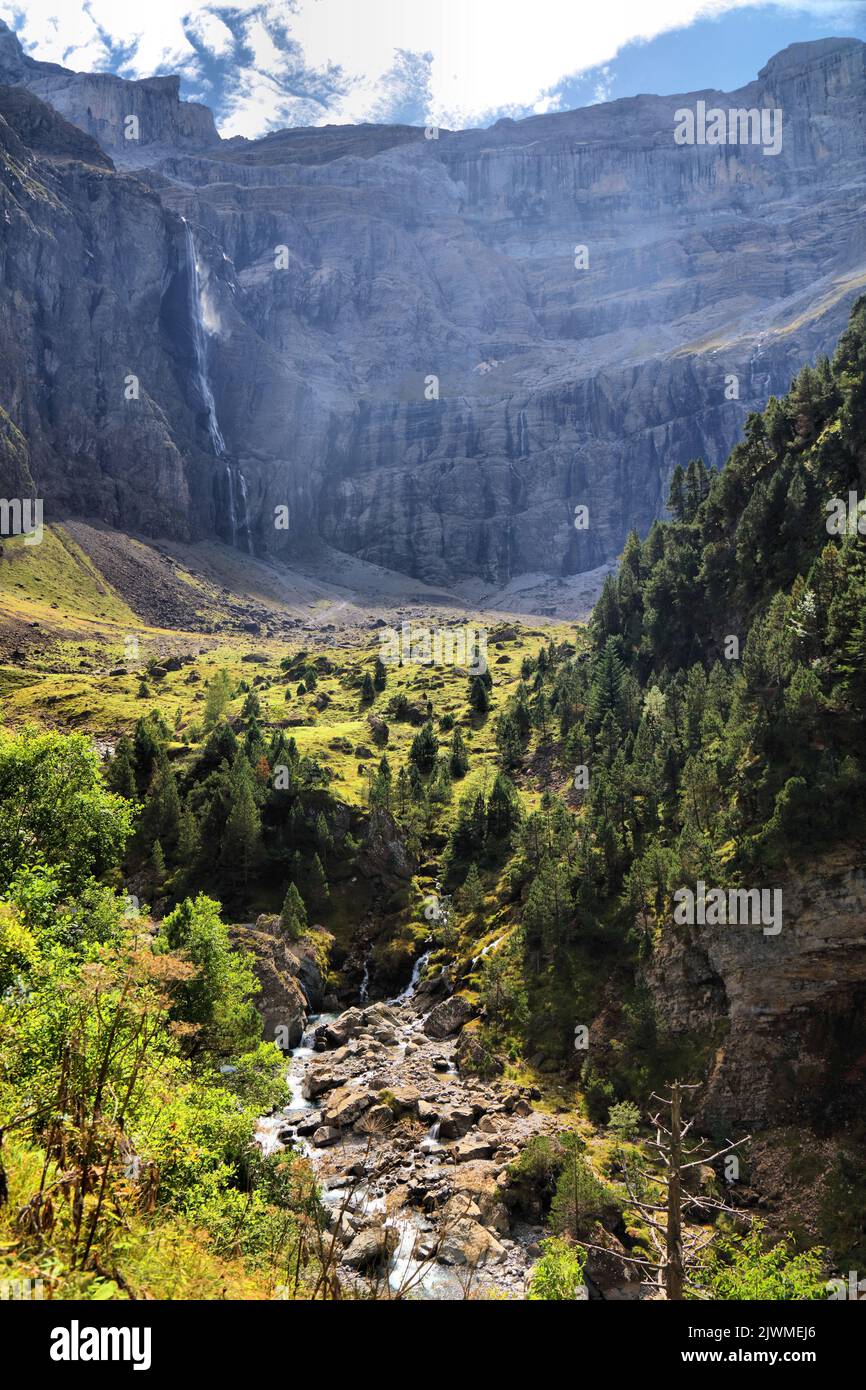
364 991
491 946
417 971
199 342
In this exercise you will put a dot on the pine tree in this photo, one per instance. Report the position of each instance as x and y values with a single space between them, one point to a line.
471 825
478 697
217 696
252 706
242 836
677 494
323 836
121 770
503 808
470 896
380 674
157 861
368 691
319 893
606 693
459 760
293 917
425 747
508 742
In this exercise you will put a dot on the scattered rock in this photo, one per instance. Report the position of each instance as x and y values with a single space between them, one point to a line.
448 1017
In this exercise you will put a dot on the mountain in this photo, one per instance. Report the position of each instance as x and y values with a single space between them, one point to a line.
285 341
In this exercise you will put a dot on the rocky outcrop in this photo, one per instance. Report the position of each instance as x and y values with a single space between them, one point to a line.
788 1009
384 852
400 347
289 976
127 116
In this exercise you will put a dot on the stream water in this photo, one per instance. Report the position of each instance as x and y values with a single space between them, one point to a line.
408 1269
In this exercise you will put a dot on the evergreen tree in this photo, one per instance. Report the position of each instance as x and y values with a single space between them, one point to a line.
503 808
470 896
459 761
318 891
293 917
121 770
424 749
478 697
241 841
217 695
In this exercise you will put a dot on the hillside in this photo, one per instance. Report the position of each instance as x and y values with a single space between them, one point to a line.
475 870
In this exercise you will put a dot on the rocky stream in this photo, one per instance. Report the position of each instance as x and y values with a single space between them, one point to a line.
410 1155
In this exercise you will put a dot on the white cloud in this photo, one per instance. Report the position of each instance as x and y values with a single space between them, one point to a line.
483 56
208 29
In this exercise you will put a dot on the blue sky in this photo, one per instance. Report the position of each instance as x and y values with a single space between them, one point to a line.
263 64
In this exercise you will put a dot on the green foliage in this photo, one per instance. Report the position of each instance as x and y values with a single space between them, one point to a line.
218 692
293 917
624 1119
54 804
558 1275
215 1003
752 1268
581 1199
424 749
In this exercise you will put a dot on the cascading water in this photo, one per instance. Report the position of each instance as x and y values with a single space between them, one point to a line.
233 516
239 517
199 342
417 971
245 517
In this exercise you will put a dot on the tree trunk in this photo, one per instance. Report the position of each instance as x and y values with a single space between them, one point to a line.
674 1262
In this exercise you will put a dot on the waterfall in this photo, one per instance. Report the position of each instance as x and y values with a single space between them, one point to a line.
417 971
248 540
199 344
239 515
233 516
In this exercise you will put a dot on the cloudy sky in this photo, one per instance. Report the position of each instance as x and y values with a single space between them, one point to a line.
263 64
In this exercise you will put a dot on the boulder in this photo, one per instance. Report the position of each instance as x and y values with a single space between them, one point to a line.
467 1242
378 1119
470 1149
479 1182
606 1268
456 1121
448 1017
344 1106
371 1248
338 1033
325 1135
318 1080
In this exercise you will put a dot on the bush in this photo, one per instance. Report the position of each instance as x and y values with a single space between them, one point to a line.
558 1276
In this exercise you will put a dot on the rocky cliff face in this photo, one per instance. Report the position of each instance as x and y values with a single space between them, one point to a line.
790 1006
399 344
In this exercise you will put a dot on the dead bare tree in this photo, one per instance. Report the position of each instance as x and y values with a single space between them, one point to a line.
676 1265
